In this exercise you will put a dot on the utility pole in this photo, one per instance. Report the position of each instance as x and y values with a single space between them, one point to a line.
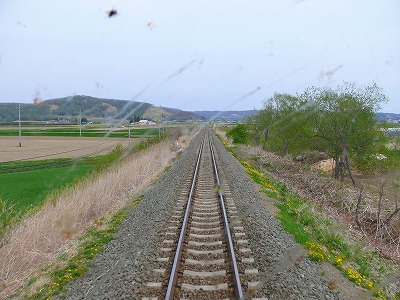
159 130
80 123
159 139
129 135
19 125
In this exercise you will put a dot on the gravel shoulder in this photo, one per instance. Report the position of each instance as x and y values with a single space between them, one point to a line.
118 272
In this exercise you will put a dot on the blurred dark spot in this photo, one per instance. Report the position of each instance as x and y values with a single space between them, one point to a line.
389 61
98 223
66 223
99 86
180 71
151 26
333 285
329 74
37 102
20 24
112 13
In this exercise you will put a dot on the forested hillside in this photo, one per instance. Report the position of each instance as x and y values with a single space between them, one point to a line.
71 107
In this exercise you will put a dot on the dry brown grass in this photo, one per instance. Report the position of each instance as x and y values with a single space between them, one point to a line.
339 200
37 240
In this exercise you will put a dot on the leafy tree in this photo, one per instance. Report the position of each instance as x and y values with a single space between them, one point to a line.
282 123
344 122
239 134
261 125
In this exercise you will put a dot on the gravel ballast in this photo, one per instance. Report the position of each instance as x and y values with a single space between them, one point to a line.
122 269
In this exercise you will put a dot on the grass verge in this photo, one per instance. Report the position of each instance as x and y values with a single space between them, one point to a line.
67 267
317 233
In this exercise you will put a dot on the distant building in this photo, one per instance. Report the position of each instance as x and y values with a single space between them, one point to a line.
146 122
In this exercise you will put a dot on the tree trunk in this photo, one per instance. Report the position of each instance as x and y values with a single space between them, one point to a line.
266 132
349 169
392 215
397 208
358 207
339 168
378 217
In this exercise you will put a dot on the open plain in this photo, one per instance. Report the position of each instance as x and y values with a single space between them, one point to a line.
47 147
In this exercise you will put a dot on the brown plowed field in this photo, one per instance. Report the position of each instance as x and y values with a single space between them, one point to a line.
46 147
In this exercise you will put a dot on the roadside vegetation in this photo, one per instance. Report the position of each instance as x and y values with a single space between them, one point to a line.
91 204
69 266
334 172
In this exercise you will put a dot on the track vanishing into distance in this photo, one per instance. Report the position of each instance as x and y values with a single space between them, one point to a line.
138 263
204 254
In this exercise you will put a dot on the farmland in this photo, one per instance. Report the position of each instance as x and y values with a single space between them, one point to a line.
52 157
75 131
45 147
31 187
44 142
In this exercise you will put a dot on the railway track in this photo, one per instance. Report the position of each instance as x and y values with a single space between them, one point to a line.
205 254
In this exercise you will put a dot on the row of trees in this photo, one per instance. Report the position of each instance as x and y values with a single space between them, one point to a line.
341 122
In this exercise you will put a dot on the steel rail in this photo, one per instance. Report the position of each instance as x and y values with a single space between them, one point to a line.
236 278
174 271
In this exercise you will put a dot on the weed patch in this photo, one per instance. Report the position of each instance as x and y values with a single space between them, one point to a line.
312 231
92 243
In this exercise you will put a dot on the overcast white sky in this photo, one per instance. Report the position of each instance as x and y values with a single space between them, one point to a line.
196 55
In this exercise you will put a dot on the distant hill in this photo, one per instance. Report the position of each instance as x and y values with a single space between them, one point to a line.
69 108
231 115
169 114
388 117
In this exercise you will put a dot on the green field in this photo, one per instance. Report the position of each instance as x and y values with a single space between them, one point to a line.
26 184
30 187
73 131
18 166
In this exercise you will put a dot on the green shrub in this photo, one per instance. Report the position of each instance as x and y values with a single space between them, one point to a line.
239 134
